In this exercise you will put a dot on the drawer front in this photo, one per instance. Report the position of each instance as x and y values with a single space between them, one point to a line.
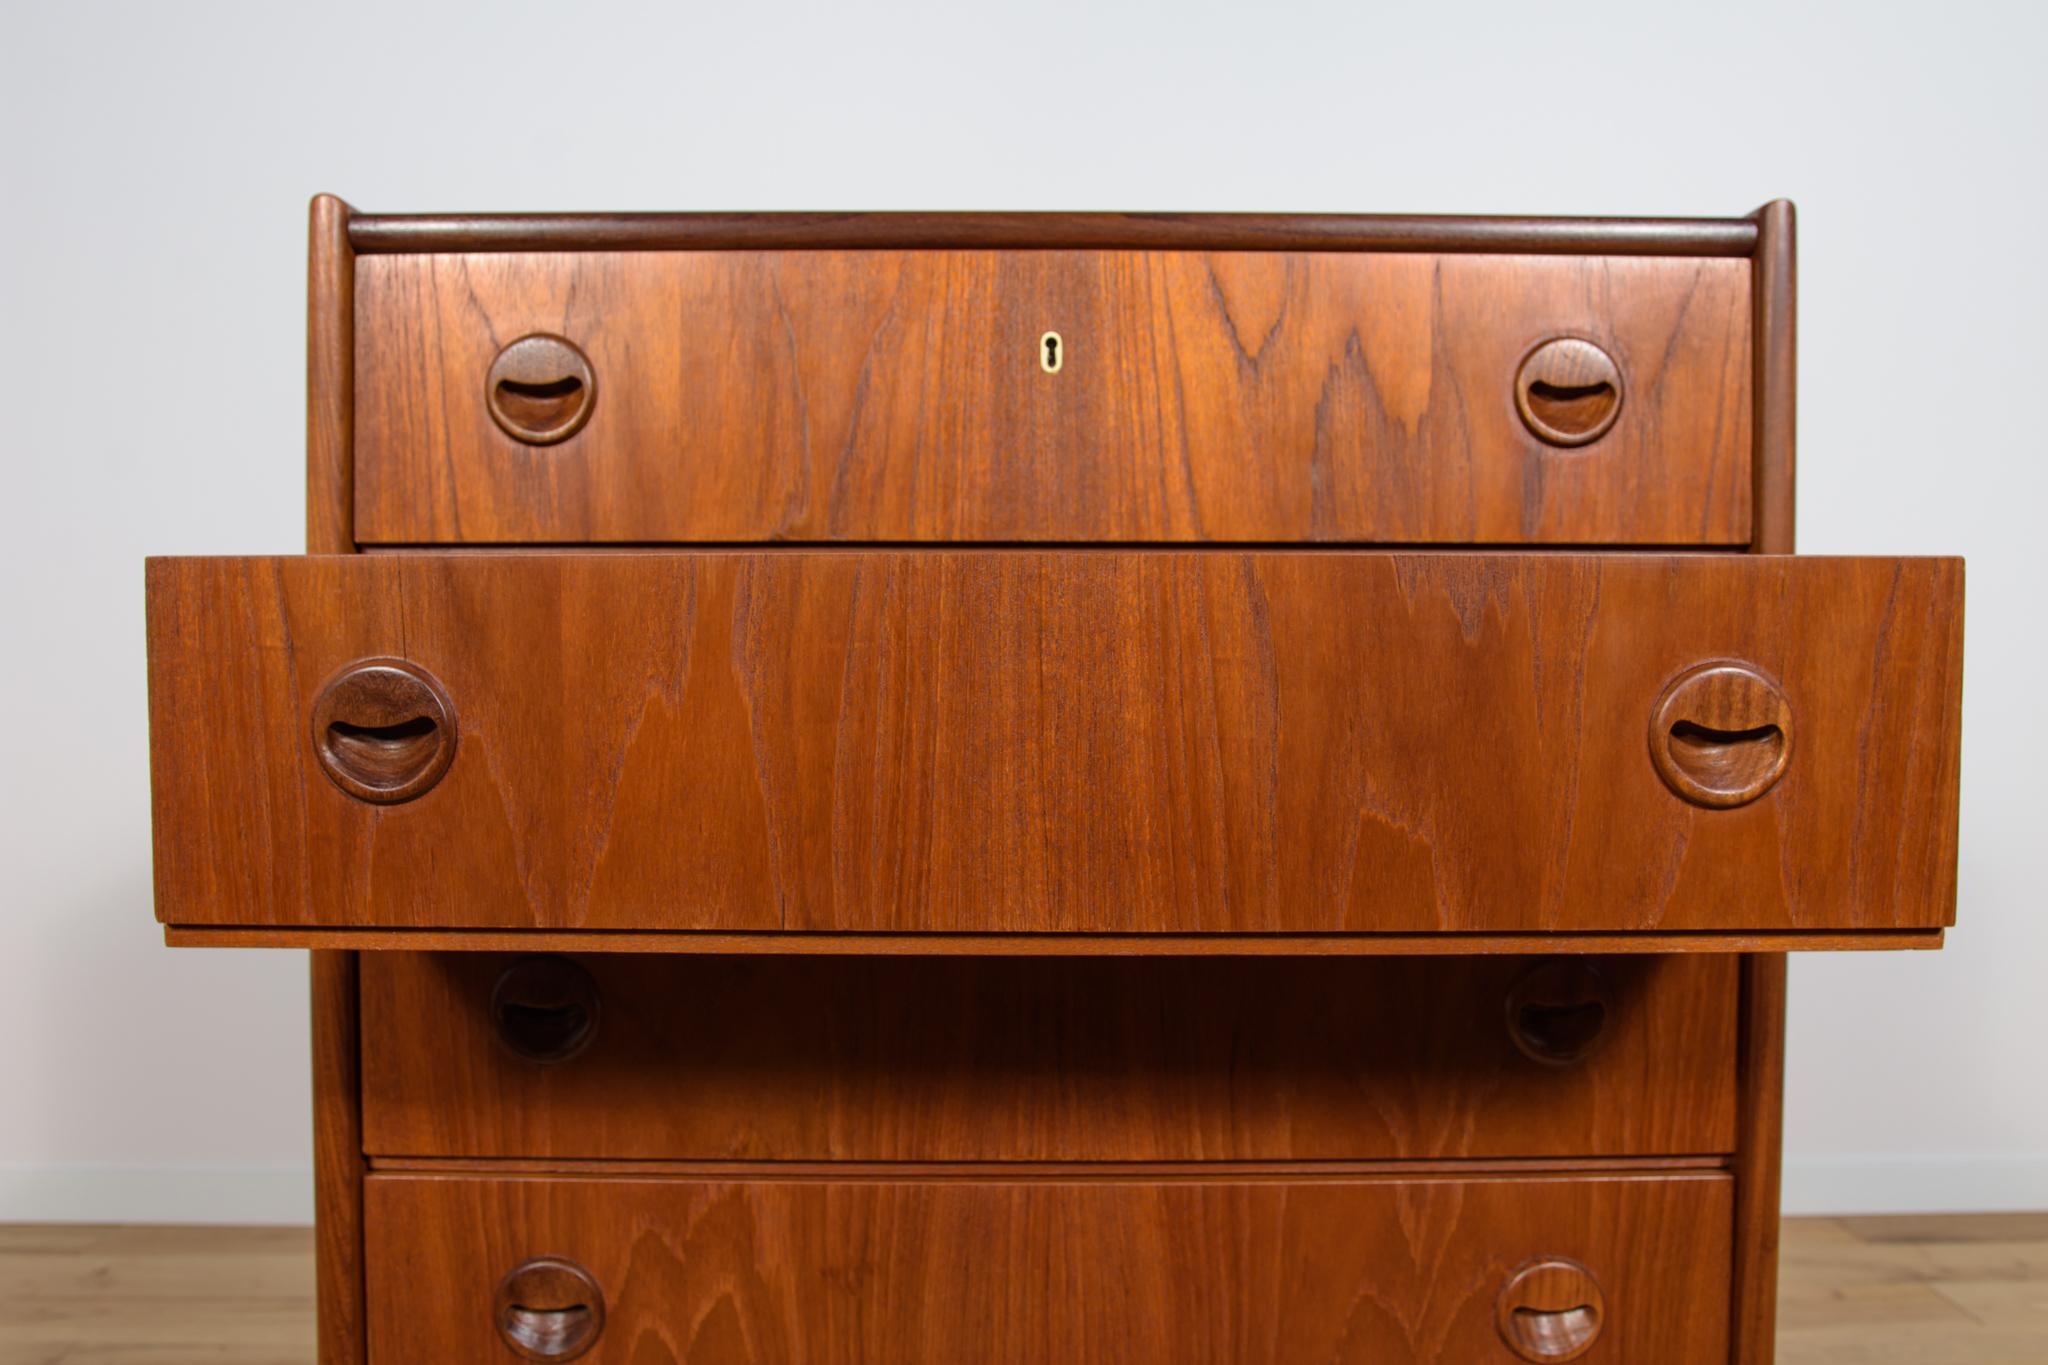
1046 1059
1381 1272
1037 741
909 395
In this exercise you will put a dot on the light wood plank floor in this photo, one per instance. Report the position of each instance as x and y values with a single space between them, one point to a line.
1951 1290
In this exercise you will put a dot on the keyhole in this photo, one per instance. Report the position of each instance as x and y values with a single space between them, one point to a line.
1049 354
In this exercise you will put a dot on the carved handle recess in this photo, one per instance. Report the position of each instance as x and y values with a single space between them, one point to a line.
1551 1310
383 730
545 1009
1558 1011
550 1309
1568 392
1721 734
540 389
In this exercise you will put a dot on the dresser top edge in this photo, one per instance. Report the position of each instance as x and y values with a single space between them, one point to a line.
390 234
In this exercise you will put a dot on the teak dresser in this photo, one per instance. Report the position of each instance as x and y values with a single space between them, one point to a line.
922 788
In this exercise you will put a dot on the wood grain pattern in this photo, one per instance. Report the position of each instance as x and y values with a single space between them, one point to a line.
1761 1136
898 396
1390 1272
977 1059
330 380
330 529
402 232
92 1294
1070 1172
338 1158
1107 742
1761 1074
1776 387
1959 1289
809 943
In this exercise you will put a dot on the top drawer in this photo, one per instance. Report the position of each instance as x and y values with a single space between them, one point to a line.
1052 395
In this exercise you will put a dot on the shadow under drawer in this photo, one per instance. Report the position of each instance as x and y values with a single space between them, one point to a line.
786 1058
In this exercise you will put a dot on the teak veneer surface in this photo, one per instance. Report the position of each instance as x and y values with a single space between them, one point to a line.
1958 1289
911 943
1380 1272
899 396
1037 1059
1071 741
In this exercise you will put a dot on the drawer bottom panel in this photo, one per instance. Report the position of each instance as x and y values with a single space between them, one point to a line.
1232 1270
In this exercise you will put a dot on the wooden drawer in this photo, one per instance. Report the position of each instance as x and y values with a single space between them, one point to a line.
1046 1059
1271 1272
1137 742
905 395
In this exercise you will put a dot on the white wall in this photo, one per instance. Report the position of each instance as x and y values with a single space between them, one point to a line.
157 163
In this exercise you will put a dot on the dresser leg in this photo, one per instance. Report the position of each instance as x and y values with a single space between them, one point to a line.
337 1160
1761 1081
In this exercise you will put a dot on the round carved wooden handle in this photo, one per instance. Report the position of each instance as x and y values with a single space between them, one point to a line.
550 1309
1568 392
1558 1011
383 730
1721 734
1551 1310
540 389
545 1009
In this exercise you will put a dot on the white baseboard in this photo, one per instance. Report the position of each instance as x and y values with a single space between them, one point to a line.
142 1194
127 1194
1916 1184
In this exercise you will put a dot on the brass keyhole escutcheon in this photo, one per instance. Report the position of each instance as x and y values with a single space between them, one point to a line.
1051 353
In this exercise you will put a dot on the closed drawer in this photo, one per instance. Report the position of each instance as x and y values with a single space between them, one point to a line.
911 395
1084 742
1046 1059
1276 1272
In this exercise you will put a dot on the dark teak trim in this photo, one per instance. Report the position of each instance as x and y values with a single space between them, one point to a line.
1761 1063
338 1161
337 1062
400 233
330 380
1774 333
1760 1120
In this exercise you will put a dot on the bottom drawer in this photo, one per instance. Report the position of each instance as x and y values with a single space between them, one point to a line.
1234 1270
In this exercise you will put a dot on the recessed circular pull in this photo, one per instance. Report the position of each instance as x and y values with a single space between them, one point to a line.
1559 1010
1551 1310
1721 734
1568 391
545 1009
540 389
550 1309
383 730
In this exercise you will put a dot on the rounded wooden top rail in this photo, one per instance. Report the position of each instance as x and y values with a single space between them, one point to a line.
402 233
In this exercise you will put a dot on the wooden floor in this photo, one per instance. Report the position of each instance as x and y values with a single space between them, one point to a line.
1951 1290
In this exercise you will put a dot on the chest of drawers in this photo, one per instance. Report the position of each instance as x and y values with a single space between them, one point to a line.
926 788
